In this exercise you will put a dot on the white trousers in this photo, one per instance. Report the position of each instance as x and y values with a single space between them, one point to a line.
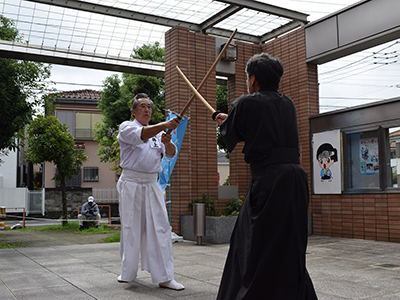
144 227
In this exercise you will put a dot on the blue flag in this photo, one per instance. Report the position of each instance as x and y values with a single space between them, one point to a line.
166 163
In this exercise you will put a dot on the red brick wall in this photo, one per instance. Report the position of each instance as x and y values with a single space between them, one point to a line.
362 216
196 169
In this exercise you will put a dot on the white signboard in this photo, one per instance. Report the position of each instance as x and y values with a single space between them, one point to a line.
327 162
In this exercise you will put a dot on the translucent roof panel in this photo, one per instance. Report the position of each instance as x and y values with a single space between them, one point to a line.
183 10
252 22
69 29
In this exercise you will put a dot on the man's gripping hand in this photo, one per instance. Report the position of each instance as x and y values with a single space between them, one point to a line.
172 124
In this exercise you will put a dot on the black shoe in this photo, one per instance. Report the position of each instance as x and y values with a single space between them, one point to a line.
80 227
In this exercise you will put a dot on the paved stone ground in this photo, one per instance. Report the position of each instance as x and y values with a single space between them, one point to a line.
49 266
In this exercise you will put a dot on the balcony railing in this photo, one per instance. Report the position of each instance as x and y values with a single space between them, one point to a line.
84 133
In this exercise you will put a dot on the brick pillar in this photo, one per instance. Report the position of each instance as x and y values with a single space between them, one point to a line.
196 169
239 170
299 82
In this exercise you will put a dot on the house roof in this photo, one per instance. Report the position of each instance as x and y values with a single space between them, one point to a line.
222 158
80 94
394 133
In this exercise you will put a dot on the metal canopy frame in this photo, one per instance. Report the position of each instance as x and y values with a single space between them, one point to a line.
259 22
205 27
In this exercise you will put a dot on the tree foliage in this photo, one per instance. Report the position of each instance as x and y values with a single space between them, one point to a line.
222 105
151 52
8 31
116 98
49 140
21 83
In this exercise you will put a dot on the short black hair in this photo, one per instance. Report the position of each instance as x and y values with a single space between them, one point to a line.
267 70
135 101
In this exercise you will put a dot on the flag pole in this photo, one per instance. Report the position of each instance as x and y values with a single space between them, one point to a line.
169 191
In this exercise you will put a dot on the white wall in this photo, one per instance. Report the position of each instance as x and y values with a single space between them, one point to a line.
8 170
223 170
10 195
13 197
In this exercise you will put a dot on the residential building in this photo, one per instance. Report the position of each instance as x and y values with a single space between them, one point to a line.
11 194
78 109
223 167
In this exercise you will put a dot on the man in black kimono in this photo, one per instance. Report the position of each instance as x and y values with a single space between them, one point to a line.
267 255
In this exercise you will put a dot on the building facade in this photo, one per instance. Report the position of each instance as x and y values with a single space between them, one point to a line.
78 110
360 196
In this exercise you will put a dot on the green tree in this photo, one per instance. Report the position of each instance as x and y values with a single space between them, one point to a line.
116 98
21 83
153 52
222 105
154 87
49 140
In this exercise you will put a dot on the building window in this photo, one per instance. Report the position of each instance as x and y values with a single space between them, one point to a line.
73 182
84 125
90 174
373 158
394 140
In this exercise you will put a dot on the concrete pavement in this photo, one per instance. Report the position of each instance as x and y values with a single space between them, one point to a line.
340 269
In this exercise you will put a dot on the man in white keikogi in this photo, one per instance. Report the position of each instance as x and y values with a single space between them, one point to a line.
144 220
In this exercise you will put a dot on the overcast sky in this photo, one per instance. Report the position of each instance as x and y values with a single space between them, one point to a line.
363 77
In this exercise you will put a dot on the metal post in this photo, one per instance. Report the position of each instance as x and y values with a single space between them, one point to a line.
2 215
199 221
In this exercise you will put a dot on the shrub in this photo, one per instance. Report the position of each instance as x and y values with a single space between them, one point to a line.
209 203
232 209
234 206
227 181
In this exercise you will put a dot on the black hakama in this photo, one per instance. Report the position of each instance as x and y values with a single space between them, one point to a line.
267 256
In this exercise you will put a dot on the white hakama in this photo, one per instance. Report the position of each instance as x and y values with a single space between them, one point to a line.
145 228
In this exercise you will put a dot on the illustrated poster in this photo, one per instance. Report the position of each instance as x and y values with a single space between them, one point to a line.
327 162
369 158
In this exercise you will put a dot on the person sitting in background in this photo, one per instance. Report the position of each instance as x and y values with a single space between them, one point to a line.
90 211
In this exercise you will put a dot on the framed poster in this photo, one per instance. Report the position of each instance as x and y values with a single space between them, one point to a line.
327 162
369 156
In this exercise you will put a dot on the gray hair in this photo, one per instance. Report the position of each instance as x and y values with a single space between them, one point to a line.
135 101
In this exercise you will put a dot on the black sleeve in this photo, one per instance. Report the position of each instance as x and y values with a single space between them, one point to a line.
231 128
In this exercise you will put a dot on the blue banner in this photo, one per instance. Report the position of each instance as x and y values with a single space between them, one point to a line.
166 163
